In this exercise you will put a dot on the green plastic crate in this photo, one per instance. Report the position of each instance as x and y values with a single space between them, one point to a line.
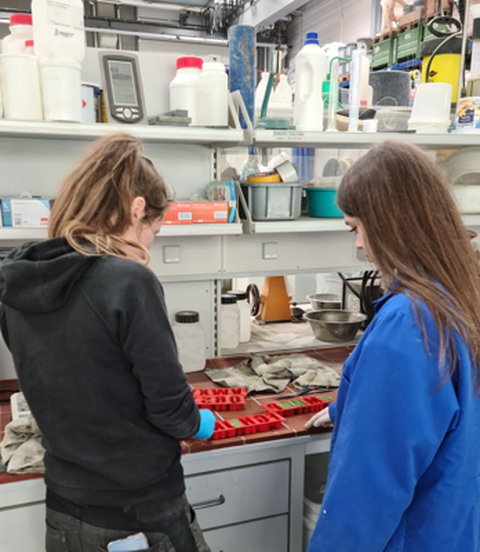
408 43
383 53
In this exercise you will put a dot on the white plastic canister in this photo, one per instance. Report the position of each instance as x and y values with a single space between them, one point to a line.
245 315
310 70
190 338
58 29
61 90
229 322
213 95
184 87
22 98
20 30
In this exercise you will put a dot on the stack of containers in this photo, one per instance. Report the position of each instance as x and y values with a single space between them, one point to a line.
59 39
19 68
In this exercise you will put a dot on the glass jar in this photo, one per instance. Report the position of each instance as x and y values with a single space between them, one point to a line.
229 322
190 338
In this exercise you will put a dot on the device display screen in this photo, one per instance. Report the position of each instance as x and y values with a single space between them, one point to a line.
123 84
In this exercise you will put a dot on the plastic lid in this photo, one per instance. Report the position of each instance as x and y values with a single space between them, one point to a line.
20 19
476 29
240 295
228 299
188 61
28 43
311 38
187 317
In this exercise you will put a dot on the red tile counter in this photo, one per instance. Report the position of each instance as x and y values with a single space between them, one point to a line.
291 427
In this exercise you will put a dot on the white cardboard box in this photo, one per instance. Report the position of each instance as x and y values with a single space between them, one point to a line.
25 213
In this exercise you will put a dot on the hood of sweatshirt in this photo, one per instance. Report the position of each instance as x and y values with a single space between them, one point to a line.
39 277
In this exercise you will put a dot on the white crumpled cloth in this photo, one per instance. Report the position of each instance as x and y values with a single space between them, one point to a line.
264 373
21 448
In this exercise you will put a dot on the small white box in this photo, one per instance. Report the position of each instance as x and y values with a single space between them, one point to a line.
26 213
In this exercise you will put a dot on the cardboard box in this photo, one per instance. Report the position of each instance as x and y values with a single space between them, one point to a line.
197 212
25 213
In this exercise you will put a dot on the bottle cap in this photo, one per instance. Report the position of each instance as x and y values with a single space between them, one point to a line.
228 299
476 29
187 317
311 38
189 61
28 43
240 295
20 19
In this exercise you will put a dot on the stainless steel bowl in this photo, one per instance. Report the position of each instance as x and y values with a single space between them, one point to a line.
335 325
321 301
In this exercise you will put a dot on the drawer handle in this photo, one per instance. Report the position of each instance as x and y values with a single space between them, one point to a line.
217 502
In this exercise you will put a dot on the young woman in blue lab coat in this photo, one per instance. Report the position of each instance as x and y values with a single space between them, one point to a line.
404 469
86 322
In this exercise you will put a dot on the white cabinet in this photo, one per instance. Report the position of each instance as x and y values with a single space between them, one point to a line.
22 528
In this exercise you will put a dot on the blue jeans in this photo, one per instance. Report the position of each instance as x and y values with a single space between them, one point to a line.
170 526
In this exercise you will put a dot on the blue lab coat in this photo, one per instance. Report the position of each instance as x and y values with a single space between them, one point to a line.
405 455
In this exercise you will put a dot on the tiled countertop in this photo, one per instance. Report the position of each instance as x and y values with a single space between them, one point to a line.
292 426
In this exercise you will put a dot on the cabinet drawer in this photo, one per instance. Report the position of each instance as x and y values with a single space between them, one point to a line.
267 535
248 493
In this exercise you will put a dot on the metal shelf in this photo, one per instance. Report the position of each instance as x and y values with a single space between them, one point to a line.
153 134
349 140
200 229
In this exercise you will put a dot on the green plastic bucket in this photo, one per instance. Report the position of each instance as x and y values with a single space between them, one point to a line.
321 203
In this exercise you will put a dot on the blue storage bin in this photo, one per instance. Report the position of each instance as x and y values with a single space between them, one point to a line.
321 203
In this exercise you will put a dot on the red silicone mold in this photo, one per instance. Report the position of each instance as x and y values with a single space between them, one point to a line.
292 407
246 425
220 399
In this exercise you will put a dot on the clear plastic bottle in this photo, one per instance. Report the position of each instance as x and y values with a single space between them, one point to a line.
245 315
229 322
20 30
310 71
58 29
184 87
190 338
213 95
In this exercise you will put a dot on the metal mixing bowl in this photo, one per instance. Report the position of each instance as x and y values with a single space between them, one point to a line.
335 325
321 301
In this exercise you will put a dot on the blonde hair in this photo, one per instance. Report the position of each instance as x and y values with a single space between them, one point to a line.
92 209
417 238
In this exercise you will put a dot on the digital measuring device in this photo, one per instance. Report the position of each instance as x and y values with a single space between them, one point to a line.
122 88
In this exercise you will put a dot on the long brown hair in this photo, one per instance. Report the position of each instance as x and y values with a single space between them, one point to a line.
92 209
417 238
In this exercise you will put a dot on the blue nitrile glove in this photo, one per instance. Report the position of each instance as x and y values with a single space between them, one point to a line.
207 423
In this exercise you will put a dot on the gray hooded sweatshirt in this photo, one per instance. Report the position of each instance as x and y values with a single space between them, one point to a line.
97 362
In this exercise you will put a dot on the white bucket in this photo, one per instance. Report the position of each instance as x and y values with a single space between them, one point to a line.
21 87
308 527
61 90
431 108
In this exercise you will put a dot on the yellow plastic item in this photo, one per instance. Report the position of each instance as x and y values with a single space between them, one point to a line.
265 178
445 68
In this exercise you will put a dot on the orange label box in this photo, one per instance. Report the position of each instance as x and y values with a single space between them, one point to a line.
197 212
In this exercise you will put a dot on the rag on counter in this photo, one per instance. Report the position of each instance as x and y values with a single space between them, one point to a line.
264 373
21 448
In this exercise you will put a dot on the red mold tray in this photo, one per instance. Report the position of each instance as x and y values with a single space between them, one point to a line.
292 407
220 399
220 391
246 425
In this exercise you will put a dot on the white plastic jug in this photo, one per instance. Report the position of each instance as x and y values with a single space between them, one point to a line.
21 30
310 71
184 87
213 95
58 29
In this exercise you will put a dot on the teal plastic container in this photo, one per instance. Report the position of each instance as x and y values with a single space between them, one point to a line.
321 203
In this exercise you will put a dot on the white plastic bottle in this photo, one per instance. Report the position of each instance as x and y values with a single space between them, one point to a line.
20 30
29 47
213 95
245 315
310 71
280 105
190 338
229 322
184 87
58 29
